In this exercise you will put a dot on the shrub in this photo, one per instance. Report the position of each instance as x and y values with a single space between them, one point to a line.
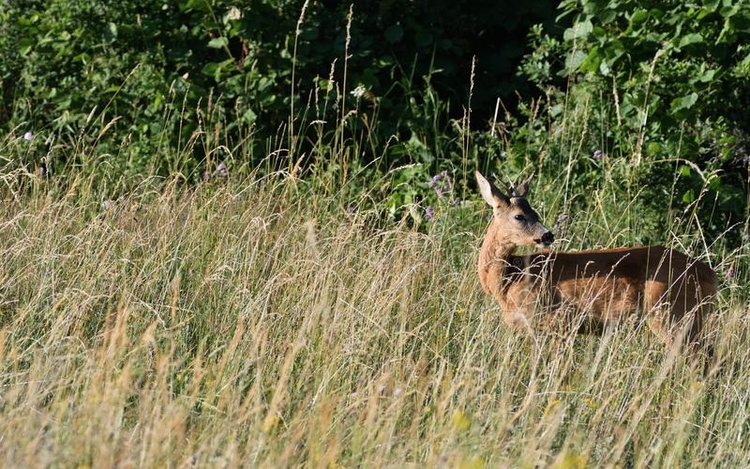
666 83
253 78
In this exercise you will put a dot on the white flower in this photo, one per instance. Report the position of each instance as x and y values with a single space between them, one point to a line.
358 92
28 136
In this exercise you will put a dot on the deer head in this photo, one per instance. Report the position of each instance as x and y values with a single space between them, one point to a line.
514 222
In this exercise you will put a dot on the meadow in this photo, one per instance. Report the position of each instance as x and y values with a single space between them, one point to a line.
314 300
263 320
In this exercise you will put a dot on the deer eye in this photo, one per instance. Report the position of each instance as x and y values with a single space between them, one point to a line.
520 217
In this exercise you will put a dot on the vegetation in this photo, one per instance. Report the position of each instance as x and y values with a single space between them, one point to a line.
249 250
274 321
666 83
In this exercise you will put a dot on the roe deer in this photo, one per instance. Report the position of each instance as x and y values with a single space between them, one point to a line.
545 289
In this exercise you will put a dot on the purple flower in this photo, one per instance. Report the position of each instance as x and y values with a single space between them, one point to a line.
28 136
221 170
429 213
597 155
442 184
561 222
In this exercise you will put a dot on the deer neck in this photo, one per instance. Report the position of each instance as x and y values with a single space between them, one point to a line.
493 258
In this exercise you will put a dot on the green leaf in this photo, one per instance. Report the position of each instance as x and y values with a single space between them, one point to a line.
608 16
688 196
218 42
685 102
653 148
638 18
574 61
578 30
394 33
692 38
604 68
249 116
707 76
110 32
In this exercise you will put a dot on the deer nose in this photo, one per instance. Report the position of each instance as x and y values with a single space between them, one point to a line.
548 238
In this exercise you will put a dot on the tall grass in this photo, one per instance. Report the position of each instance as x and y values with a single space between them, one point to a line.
267 321
263 320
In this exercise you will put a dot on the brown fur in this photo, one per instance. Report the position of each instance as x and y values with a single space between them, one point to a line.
552 289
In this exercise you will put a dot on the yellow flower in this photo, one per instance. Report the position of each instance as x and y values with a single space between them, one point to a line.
570 460
590 402
551 405
270 422
461 421
473 463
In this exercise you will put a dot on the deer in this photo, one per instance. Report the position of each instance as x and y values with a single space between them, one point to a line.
587 291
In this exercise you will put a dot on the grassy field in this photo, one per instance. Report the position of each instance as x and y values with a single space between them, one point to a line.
267 321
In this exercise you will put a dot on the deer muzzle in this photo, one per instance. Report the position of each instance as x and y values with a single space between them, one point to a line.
547 238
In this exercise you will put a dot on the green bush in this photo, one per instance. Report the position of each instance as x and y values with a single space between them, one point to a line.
666 83
245 80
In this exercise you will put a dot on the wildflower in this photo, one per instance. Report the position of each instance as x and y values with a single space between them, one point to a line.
443 186
461 421
28 136
571 460
358 92
233 14
429 213
597 155
270 422
475 462
561 222
221 170
590 402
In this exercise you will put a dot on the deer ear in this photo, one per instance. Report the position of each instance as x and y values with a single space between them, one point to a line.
522 190
490 193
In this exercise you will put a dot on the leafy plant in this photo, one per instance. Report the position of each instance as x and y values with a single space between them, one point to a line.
666 82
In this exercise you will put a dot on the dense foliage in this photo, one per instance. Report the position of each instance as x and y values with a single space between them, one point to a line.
650 94
201 74
667 83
